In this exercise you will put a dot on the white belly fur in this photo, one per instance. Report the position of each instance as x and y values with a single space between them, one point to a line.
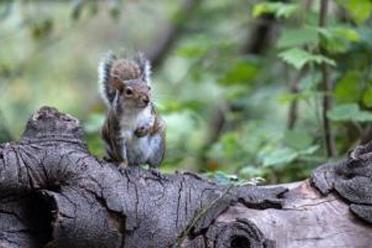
138 150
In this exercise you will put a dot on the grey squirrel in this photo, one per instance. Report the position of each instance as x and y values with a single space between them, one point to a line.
133 130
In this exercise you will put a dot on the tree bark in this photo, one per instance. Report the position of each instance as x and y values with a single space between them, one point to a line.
53 193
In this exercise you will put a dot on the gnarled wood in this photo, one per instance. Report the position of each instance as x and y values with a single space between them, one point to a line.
53 193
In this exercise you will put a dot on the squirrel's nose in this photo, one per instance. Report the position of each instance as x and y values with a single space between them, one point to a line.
146 100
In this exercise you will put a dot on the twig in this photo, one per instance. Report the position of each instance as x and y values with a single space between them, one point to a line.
327 88
293 108
294 86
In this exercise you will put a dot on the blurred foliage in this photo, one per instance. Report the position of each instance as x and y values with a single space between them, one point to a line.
50 51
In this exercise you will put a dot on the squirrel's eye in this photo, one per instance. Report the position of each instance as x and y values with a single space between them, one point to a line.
129 92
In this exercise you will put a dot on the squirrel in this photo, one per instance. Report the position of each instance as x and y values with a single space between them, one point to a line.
133 131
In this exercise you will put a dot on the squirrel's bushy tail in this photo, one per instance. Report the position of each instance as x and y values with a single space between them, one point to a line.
104 69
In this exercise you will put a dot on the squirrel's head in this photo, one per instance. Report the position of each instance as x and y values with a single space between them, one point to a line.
131 80
134 93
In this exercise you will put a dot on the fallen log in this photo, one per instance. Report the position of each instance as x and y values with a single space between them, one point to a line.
54 193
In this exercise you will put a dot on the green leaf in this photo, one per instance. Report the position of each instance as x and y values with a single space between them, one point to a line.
224 178
349 112
310 150
230 143
286 98
279 157
344 112
298 37
242 72
221 178
348 33
363 116
192 51
298 58
359 10
277 9
348 88
251 171
367 97
337 39
297 140
365 33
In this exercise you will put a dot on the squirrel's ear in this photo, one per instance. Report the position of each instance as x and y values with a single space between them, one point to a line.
145 67
117 84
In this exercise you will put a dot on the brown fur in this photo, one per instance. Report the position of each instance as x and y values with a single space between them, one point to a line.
132 100
111 135
125 70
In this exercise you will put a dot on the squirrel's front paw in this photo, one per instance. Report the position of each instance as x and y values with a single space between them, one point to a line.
122 166
142 131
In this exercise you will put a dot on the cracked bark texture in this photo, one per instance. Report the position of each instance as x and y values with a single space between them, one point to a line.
53 193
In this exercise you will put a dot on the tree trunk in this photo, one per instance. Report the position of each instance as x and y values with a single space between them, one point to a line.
171 33
53 193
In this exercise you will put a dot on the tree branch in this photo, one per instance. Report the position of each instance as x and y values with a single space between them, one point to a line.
53 193
327 87
293 108
171 34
